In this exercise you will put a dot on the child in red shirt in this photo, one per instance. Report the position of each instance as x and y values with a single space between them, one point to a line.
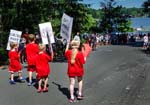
14 63
31 52
42 67
75 68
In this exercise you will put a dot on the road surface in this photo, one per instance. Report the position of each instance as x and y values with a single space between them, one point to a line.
114 75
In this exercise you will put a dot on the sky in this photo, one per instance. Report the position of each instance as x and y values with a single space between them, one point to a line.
125 3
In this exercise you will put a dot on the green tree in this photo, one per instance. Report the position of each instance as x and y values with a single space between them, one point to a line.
79 13
113 19
91 22
7 15
146 6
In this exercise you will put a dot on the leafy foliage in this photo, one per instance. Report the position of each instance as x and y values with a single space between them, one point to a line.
146 6
27 14
21 14
3 56
113 19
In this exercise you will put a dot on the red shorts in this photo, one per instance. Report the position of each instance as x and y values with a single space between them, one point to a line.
42 77
74 76
31 68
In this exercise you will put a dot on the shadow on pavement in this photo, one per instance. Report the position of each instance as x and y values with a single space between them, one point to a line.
64 91
16 79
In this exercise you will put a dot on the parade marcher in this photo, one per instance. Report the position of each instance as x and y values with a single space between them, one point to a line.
26 34
22 46
101 39
107 37
75 68
42 67
145 38
59 46
98 39
93 42
31 53
77 37
86 49
14 63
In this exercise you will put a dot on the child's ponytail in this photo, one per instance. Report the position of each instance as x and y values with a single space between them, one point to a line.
73 56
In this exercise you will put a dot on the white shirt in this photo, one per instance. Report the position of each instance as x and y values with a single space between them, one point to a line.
145 39
77 38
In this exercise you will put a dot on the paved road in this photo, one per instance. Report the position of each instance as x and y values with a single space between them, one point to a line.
114 75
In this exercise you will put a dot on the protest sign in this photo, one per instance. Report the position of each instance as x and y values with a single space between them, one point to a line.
14 36
66 27
46 33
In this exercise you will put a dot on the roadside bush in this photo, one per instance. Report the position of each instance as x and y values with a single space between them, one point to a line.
3 56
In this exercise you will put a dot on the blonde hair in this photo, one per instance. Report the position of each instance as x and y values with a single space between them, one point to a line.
42 47
31 37
75 45
73 56
13 45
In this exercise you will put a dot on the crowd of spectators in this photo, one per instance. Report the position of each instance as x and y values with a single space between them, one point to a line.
94 40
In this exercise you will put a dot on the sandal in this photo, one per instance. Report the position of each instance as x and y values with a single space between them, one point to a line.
39 90
72 100
45 90
80 97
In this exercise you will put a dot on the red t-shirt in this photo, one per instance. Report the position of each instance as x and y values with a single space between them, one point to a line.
14 64
75 69
31 52
42 64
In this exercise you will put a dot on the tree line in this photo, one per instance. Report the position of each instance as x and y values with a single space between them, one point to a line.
133 12
22 14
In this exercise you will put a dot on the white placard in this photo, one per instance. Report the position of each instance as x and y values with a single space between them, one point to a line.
66 27
46 33
14 36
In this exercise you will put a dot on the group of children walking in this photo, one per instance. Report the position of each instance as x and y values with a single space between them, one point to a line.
38 61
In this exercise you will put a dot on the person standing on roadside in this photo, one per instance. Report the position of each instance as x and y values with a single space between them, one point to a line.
77 37
145 39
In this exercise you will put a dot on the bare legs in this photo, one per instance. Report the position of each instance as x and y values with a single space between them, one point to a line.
45 83
30 76
80 85
40 85
12 76
72 84
20 75
12 81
